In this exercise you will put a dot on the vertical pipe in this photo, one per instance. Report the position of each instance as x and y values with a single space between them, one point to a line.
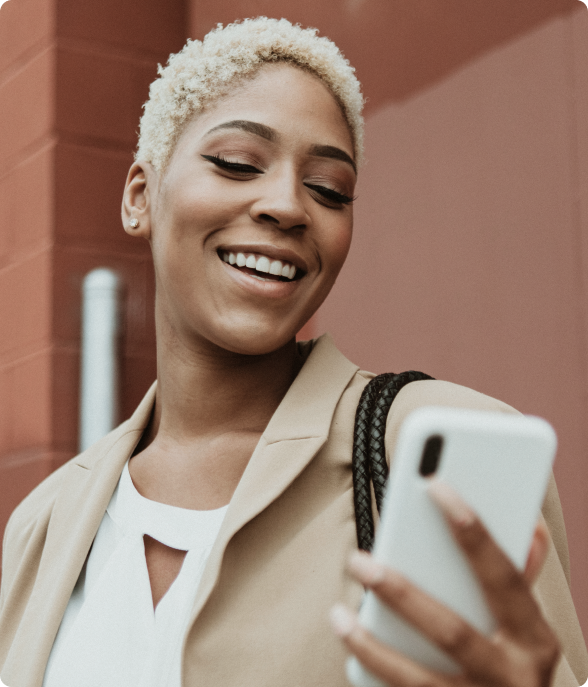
99 357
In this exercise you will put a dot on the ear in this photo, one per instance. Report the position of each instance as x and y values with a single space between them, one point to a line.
137 199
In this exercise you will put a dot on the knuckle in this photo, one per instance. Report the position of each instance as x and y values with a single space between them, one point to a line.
506 577
456 637
473 536
511 578
394 589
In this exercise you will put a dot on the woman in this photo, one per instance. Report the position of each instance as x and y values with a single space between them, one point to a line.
205 540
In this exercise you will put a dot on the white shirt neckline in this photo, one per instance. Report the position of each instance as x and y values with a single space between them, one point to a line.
110 635
179 528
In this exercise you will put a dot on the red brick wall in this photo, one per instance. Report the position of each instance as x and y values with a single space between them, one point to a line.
73 77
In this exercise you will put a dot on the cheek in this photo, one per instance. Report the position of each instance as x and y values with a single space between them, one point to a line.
192 196
337 242
198 205
189 215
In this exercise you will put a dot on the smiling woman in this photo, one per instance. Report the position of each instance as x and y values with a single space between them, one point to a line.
205 540
265 173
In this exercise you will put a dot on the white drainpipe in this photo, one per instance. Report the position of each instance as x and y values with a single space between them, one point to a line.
99 355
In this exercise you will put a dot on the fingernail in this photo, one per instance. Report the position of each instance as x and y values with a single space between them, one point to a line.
365 569
450 503
342 620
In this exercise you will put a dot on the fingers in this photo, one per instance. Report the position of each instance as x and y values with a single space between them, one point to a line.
523 650
499 660
506 589
537 553
383 662
457 638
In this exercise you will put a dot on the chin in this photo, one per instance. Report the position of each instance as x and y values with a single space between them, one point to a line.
256 339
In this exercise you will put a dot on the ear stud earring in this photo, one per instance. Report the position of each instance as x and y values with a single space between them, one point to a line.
134 223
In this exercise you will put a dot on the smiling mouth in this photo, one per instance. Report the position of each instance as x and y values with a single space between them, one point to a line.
261 266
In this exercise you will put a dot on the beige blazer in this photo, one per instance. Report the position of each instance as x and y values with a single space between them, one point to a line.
278 565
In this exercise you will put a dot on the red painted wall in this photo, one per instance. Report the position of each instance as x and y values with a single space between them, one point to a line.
470 254
470 258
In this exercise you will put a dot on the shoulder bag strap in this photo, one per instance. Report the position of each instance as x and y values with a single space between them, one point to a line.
369 451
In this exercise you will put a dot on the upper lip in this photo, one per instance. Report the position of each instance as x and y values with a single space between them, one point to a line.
273 252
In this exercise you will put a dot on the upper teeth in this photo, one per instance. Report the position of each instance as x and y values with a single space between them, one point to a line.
261 263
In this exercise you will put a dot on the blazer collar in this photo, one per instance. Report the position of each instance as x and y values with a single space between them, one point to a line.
296 432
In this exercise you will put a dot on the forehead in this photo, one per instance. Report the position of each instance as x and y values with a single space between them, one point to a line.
294 102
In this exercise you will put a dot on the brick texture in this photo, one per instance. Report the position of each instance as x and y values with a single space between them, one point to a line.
73 77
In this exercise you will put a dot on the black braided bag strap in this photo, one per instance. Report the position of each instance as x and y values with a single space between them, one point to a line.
369 451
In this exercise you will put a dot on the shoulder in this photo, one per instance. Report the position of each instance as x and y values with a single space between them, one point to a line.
26 530
35 510
39 503
436 393
417 394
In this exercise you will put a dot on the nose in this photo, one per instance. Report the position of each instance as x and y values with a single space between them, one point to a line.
281 202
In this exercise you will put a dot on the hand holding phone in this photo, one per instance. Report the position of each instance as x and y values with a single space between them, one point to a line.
499 465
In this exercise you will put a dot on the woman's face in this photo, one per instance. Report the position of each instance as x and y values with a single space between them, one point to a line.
251 221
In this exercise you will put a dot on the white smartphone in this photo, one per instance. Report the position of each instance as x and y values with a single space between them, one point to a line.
500 465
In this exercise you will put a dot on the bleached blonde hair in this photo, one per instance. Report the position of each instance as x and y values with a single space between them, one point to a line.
204 71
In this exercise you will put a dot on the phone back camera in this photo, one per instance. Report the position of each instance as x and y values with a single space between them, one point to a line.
431 455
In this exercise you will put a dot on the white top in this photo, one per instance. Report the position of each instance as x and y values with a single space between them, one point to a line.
110 636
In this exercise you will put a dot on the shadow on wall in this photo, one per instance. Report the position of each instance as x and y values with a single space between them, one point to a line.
398 48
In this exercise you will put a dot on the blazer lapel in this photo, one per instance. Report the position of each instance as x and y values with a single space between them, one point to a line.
88 484
297 431
295 434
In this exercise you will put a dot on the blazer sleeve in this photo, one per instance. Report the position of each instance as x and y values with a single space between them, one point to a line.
552 588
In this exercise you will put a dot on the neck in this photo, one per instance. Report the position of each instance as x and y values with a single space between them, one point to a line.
204 391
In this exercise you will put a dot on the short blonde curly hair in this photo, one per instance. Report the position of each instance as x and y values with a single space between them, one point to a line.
205 70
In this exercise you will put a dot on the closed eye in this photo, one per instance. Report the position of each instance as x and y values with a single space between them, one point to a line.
327 194
330 194
237 167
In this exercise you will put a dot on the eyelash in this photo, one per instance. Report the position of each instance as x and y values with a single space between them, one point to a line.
239 168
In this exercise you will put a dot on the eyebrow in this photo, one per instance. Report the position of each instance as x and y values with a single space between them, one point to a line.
332 153
250 127
271 135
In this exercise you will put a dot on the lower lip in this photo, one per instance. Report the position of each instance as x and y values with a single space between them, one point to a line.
265 289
